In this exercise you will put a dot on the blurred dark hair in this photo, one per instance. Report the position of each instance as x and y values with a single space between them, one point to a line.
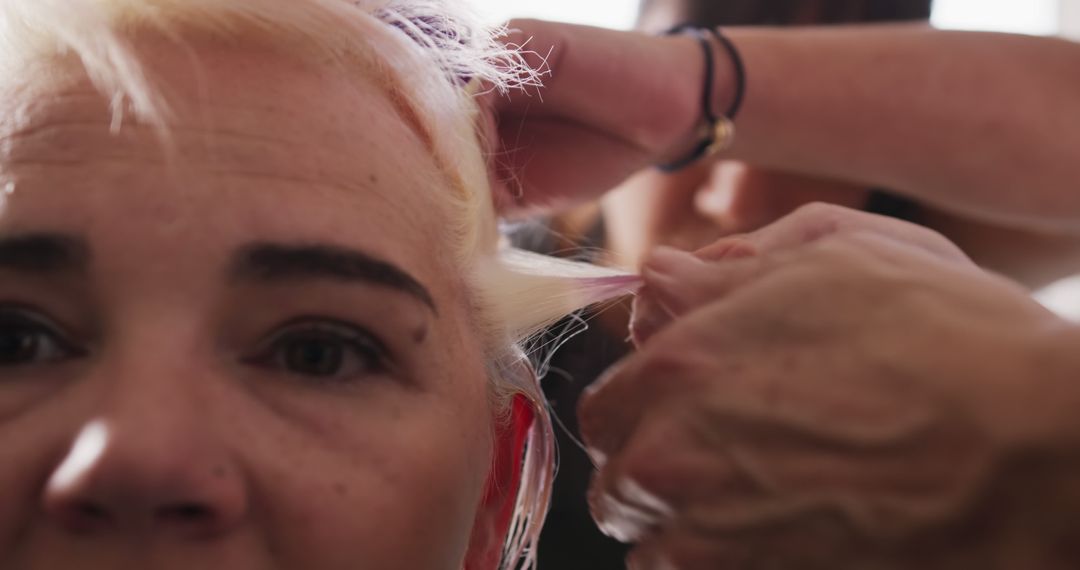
789 12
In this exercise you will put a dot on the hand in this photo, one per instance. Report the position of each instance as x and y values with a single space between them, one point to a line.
672 297
612 103
839 395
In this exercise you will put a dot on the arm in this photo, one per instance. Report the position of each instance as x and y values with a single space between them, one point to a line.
1032 257
981 124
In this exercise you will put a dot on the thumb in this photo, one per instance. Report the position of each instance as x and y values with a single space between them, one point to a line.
677 282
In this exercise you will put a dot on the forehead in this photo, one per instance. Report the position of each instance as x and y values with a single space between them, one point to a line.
317 151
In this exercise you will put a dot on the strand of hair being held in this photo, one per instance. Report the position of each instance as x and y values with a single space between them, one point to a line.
528 291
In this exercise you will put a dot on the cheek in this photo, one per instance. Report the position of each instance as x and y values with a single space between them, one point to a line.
32 441
352 510
372 487
21 470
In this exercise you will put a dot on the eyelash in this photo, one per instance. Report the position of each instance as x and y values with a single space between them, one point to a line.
47 336
355 345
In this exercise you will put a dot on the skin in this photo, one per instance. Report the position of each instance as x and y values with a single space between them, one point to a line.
691 209
617 102
157 419
707 200
834 390
838 390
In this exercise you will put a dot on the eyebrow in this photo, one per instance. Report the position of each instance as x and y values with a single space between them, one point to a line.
270 262
44 253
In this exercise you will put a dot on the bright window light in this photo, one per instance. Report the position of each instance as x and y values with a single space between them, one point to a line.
1039 17
618 14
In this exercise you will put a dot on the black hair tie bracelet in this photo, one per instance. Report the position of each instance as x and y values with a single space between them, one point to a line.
716 131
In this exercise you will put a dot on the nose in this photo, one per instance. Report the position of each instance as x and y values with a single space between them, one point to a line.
148 479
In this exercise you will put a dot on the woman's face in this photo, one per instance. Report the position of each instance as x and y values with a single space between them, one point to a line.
250 355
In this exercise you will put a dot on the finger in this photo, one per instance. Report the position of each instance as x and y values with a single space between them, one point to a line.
816 221
678 282
678 366
627 512
612 102
674 550
647 317
664 469
608 409
552 165
599 77
728 248
688 360
812 543
681 281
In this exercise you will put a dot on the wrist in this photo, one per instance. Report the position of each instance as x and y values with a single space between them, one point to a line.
1063 363
729 83
1034 494
1051 388
683 55
722 91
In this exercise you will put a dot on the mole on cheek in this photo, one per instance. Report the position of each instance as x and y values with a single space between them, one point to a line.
420 334
373 179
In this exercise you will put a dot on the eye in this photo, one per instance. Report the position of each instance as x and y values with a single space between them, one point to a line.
323 349
27 338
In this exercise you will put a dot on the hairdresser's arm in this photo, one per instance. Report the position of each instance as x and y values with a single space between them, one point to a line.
983 124
1032 257
839 391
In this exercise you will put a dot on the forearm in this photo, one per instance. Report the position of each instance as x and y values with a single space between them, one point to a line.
1034 258
985 124
1041 410
1040 483
1065 358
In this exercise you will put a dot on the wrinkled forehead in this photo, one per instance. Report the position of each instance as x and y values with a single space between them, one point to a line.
258 147
233 108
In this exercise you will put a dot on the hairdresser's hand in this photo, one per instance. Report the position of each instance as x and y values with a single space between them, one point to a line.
847 398
612 103
805 226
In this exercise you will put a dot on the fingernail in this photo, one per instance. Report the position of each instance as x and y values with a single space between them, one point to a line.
634 493
598 458
670 261
648 316
623 522
727 249
644 326
631 512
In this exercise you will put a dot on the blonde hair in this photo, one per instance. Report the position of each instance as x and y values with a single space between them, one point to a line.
423 53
